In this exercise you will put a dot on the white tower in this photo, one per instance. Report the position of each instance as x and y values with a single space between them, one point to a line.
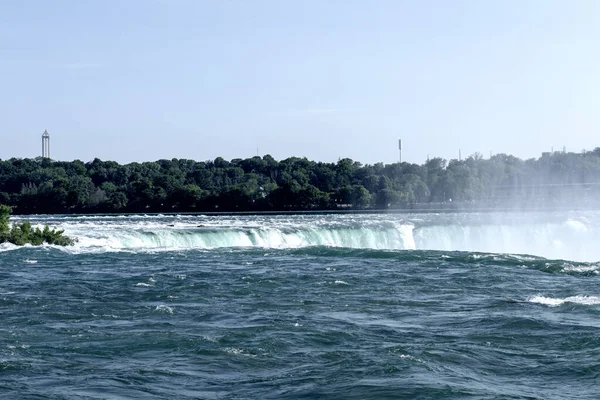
46 144
400 149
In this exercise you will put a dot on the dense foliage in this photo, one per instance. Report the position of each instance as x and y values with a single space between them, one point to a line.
254 184
23 233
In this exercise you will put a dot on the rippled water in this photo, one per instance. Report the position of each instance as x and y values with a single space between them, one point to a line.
313 306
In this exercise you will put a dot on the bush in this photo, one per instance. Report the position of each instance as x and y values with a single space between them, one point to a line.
21 234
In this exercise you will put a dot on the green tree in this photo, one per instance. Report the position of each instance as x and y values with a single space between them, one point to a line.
21 234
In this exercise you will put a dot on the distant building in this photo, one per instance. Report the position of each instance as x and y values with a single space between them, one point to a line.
45 144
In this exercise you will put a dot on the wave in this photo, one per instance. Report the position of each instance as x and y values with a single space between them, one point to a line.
441 258
555 302
9 247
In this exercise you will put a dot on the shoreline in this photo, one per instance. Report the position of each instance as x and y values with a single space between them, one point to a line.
420 210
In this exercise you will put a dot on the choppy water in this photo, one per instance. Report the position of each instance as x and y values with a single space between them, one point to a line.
426 306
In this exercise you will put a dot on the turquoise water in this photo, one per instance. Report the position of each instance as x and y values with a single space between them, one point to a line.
457 306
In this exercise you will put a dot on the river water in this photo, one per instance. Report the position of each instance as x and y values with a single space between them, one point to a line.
377 306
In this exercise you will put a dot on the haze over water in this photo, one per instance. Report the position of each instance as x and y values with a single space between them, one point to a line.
448 306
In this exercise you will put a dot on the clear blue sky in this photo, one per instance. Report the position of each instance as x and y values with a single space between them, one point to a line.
142 80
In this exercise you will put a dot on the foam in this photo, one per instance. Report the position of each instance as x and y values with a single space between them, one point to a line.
239 352
164 308
593 268
7 247
555 302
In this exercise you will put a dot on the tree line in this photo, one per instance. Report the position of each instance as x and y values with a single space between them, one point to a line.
264 184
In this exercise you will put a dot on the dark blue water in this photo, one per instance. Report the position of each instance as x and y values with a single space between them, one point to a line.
296 323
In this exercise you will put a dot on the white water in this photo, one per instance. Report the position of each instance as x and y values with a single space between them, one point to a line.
571 236
555 302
